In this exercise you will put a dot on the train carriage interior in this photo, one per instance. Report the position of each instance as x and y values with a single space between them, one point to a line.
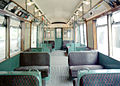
59 42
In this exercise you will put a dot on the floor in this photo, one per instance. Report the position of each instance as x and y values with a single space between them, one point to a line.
59 75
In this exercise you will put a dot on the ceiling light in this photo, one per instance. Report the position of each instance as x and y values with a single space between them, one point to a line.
80 9
30 3
86 2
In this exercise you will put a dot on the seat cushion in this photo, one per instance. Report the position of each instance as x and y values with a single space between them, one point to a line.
43 69
75 69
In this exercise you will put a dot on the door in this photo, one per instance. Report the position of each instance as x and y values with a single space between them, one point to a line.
58 38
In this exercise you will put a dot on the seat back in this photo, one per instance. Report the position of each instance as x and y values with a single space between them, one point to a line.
111 79
34 59
20 79
83 58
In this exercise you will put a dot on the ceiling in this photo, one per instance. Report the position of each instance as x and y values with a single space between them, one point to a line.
58 10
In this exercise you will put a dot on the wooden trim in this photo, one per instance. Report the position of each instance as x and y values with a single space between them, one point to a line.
7 13
30 33
22 35
94 35
86 32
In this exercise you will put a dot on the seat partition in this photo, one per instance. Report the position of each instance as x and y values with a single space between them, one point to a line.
34 59
83 58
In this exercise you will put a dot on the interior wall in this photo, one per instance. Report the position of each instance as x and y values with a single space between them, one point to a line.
108 62
90 34
10 64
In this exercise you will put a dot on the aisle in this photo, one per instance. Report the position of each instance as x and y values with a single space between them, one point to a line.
59 70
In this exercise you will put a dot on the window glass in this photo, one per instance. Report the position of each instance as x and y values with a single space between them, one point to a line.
77 29
102 35
116 40
82 33
116 34
102 39
67 34
2 38
15 37
34 37
49 34
58 32
116 16
102 20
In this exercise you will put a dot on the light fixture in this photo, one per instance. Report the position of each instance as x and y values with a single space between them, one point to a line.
86 2
80 9
30 3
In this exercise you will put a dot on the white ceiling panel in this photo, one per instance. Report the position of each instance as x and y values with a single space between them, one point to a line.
58 10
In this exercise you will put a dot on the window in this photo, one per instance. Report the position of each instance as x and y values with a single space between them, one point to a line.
15 36
102 35
81 34
67 34
2 38
116 34
49 34
58 32
34 36
77 30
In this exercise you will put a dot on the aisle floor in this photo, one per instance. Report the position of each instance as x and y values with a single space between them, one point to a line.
59 75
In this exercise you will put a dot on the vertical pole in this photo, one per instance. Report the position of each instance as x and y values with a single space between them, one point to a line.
37 36
74 34
47 37
43 31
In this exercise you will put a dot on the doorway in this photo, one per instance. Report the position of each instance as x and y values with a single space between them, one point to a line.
58 38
